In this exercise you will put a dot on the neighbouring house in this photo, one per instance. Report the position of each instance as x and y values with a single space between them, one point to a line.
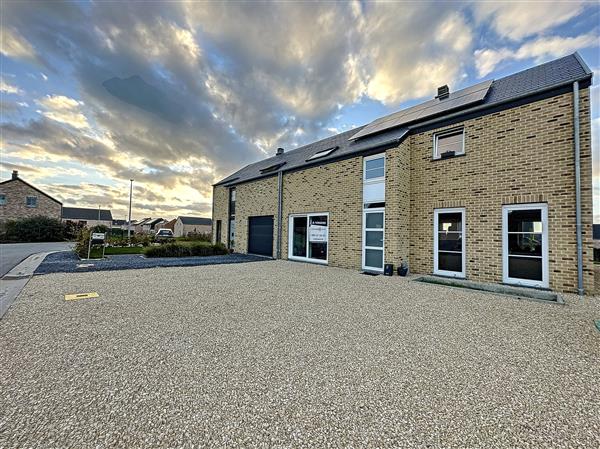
19 199
478 183
119 224
148 225
170 225
87 217
192 225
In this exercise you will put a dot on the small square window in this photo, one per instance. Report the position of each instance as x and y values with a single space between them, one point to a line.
374 168
2 199
31 201
449 143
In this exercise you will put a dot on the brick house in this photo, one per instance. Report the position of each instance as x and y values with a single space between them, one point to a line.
19 199
478 184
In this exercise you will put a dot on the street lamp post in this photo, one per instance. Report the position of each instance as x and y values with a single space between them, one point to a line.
129 220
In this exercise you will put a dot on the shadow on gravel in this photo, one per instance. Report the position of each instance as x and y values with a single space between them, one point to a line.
68 262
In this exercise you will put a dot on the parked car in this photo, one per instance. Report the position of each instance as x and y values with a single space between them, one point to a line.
164 235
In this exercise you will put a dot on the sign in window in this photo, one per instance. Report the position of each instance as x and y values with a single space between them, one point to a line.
309 237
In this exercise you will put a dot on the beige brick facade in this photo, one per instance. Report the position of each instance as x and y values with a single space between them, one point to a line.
254 199
220 212
519 155
336 189
16 192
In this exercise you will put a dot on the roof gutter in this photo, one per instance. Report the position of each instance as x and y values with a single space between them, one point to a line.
279 211
578 187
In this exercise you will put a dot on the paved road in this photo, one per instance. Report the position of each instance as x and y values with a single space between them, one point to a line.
13 253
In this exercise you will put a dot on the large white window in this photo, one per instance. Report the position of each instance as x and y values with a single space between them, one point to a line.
373 239
449 143
449 242
525 245
309 237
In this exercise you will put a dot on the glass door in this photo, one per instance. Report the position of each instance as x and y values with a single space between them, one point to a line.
373 239
449 242
525 245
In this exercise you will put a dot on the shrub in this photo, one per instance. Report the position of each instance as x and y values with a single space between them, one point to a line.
196 237
176 249
35 229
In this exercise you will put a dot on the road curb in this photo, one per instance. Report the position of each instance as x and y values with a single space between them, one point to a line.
17 278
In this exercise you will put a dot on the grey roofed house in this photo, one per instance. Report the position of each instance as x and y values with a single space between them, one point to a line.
389 131
81 213
195 221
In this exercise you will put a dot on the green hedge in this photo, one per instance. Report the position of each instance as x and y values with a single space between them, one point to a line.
177 249
35 229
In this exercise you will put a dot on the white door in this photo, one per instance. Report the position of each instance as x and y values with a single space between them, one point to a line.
373 239
449 242
525 245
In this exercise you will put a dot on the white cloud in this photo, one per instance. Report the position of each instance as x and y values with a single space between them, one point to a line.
541 49
411 49
13 45
44 76
519 19
9 88
63 109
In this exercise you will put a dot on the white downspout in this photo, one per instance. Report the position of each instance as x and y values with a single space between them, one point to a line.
578 188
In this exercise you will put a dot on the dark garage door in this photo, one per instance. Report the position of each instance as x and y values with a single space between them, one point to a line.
260 235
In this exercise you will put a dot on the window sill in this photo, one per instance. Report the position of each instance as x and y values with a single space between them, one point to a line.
433 159
307 260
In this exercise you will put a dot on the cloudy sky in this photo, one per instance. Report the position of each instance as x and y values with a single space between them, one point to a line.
179 94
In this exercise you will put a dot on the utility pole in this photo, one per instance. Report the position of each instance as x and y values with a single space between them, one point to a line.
129 220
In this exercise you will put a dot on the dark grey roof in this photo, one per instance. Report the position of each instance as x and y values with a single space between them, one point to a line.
80 213
195 221
153 221
545 77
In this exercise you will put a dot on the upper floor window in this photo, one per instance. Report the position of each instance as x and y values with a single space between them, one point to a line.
31 201
374 167
232 201
449 143
2 199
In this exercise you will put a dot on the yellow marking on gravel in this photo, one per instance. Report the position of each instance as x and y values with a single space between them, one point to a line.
76 296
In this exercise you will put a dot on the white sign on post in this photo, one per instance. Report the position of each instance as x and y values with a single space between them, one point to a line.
98 235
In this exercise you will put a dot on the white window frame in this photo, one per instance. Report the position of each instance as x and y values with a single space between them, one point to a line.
31 205
364 239
545 282
436 213
437 135
291 237
370 158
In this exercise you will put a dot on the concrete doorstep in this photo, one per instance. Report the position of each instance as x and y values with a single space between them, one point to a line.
15 280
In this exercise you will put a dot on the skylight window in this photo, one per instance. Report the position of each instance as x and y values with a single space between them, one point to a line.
271 168
322 153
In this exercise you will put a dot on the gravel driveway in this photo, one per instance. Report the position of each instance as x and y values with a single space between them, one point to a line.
295 355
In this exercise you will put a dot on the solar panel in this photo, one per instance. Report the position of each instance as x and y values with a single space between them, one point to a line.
456 100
